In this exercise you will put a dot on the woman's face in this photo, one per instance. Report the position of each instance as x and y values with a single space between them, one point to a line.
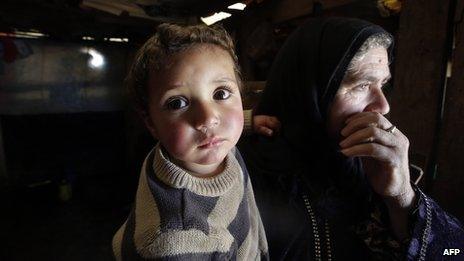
360 91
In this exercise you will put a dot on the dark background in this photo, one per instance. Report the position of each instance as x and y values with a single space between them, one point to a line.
71 145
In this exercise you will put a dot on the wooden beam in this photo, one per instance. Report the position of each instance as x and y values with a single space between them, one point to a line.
447 188
419 77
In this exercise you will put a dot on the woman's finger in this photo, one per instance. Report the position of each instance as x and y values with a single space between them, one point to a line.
373 150
371 135
365 120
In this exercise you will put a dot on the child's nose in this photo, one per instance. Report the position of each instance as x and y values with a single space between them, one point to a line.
206 117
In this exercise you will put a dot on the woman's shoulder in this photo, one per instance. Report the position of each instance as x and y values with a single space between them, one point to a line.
271 154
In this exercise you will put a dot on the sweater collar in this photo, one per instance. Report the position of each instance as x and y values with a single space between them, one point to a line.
177 177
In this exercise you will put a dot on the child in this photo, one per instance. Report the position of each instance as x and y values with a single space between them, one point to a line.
194 200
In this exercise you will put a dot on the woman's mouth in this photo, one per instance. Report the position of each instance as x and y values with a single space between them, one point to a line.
211 143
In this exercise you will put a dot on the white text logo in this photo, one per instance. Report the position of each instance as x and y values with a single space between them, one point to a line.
451 251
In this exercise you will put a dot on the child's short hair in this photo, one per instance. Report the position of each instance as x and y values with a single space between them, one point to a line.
170 39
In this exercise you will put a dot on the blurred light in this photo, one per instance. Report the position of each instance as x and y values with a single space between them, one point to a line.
34 34
96 58
118 40
237 6
215 17
23 34
88 38
17 36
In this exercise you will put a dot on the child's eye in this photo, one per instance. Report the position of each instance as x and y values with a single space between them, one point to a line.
176 103
222 94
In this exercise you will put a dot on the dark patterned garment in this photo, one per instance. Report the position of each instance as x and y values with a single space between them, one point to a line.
337 226
432 231
181 217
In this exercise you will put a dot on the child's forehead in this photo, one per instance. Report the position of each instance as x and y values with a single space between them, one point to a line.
200 65
201 51
204 57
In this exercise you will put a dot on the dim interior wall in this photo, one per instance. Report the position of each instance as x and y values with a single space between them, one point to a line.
3 169
62 111
57 77
420 96
449 183
419 75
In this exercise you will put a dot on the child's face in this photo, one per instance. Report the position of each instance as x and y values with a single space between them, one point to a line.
195 108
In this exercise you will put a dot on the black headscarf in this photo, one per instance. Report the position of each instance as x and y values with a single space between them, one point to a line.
302 83
307 73
304 79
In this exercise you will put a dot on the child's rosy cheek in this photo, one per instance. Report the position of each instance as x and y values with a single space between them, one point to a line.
235 122
177 139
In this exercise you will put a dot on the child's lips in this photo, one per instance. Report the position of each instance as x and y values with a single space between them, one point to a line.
211 143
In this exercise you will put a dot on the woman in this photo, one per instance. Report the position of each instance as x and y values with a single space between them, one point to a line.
335 183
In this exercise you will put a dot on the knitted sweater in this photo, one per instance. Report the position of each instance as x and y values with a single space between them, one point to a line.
181 217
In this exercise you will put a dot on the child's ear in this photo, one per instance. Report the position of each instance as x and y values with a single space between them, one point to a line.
150 126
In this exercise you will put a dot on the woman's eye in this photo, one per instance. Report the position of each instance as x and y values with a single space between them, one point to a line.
387 87
221 94
176 104
362 87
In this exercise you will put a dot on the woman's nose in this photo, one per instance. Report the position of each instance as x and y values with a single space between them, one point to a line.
378 102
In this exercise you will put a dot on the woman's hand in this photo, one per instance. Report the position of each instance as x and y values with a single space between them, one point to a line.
384 153
266 125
